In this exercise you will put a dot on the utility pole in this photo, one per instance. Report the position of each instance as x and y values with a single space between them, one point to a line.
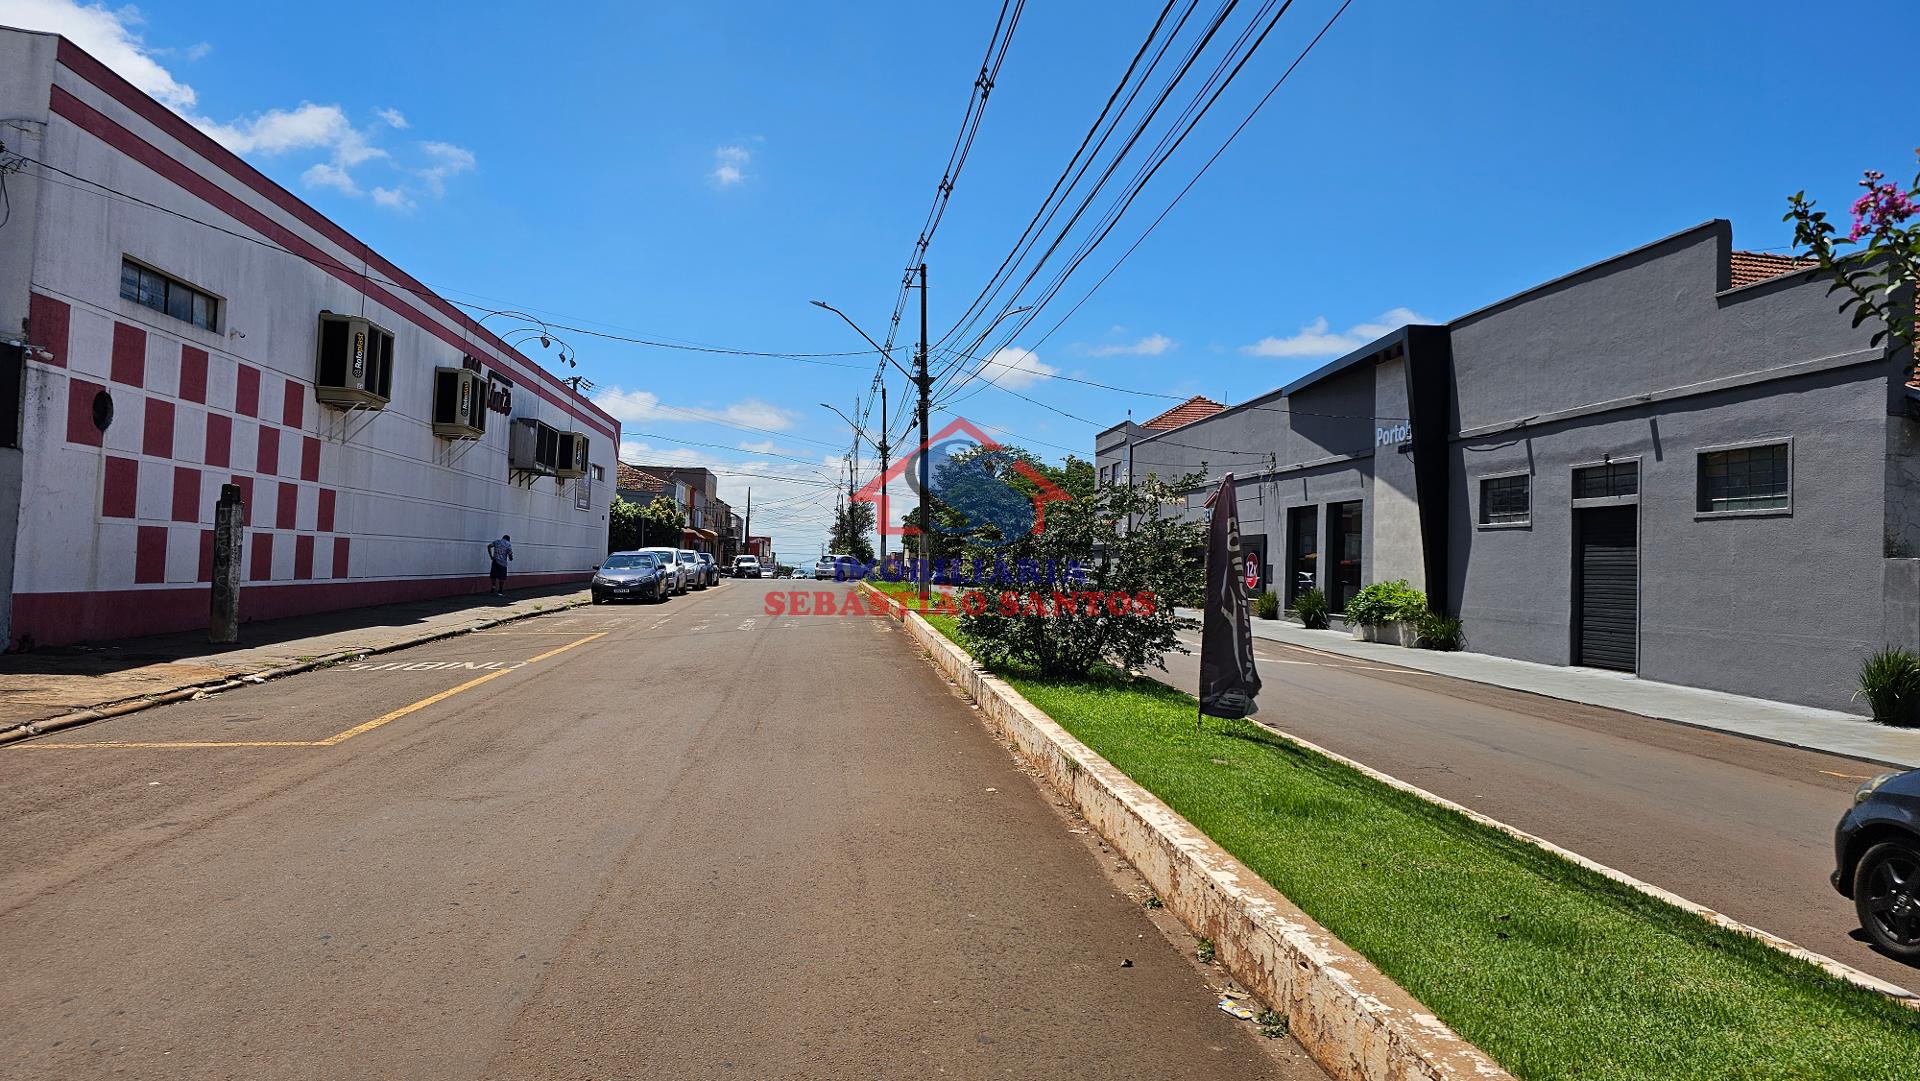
921 380
880 527
854 457
746 542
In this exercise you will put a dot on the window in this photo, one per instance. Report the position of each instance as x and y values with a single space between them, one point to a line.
152 289
1607 481
599 473
1745 479
1506 500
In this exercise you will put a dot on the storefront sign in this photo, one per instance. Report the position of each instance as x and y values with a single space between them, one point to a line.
1393 436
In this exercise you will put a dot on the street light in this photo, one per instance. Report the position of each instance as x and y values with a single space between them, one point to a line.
877 347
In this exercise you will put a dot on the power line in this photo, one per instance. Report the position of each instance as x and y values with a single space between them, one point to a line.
321 259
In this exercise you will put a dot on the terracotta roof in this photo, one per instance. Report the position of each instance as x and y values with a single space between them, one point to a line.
629 478
1755 266
1194 408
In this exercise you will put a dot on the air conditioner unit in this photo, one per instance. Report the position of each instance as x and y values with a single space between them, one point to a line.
573 455
459 403
353 364
533 447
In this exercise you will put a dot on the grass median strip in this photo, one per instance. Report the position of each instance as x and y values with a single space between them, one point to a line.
1555 971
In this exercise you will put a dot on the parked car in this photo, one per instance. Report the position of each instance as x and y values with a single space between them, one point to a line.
1877 861
631 576
746 567
696 574
669 559
710 567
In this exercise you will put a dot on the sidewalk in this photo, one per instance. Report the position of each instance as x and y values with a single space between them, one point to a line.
1814 729
116 677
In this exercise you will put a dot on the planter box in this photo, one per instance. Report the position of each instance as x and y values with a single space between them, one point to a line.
1394 633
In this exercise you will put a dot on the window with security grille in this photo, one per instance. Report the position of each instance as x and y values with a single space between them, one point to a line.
1746 478
1506 500
1605 481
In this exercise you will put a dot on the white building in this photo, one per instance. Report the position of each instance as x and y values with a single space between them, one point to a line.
162 314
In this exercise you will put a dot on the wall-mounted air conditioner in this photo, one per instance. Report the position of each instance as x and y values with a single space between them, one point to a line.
459 403
573 455
354 363
533 447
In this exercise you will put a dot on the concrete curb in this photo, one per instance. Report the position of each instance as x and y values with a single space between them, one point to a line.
1357 1024
180 694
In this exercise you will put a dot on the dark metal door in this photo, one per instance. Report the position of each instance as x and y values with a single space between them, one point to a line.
1606 616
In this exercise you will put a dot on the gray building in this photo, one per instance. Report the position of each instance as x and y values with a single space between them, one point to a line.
1681 462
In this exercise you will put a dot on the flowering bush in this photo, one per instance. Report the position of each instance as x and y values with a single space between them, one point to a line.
1884 254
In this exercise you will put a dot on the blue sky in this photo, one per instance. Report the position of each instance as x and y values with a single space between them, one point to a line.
700 171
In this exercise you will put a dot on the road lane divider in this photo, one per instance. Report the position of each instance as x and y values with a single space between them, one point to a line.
330 741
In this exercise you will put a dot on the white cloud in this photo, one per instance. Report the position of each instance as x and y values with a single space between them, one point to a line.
1150 346
394 199
637 406
765 446
729 165
1318 339
1013 368
448 160
323 175
109 35
113 36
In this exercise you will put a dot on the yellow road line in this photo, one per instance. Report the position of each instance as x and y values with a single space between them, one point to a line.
1845 776
336 738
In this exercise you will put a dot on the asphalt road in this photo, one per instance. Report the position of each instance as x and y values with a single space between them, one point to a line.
1734 824
684 840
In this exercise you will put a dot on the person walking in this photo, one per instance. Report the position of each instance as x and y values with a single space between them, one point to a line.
501 552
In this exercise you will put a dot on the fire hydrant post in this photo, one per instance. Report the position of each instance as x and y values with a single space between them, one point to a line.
223 619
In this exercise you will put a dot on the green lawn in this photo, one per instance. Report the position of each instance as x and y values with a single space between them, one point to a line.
1553 970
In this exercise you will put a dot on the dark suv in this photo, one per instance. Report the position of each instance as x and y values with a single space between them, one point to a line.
1877 861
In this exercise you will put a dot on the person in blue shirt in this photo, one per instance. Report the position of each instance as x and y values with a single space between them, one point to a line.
501 552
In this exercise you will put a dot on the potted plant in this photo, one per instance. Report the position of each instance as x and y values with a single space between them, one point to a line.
1310 608
1386 612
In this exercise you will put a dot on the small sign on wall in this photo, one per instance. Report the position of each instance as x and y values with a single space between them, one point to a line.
1393 435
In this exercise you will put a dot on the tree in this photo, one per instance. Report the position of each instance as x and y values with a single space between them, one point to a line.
623 525
1119 612
1883 260
633 525
851 524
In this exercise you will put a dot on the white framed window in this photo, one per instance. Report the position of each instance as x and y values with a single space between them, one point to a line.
1751 478
1506 500
169 296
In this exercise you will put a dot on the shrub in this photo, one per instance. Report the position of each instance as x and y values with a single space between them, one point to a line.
1385 602
1890 682
1311 607
1432 630
1267 606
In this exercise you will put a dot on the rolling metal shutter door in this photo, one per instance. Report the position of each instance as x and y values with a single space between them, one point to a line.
1609 588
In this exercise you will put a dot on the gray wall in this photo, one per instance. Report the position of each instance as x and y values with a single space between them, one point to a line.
26 80
1780 606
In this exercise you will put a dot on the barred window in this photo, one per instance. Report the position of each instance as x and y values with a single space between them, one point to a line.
152 289
1745 478
1602 481
1506 500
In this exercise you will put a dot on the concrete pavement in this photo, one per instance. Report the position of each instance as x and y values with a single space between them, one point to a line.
683 840
1737 825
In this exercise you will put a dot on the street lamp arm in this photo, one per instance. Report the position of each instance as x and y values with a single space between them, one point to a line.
861 432
877 347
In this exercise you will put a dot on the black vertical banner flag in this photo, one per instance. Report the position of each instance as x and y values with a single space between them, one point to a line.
1228 680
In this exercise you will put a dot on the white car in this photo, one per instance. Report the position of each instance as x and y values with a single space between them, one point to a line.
671 558
746 567
824 569
696 571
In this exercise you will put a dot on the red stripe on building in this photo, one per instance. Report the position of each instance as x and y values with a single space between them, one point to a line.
47 324
186 494
267 461
149 557
246 391
80 426
303 556
323 521
219 450
193 374
260 567
293 412
310 459
156 438
285 506
129 355
121 491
